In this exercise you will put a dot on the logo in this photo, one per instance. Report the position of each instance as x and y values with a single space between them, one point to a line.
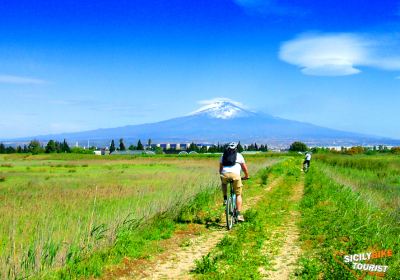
354 263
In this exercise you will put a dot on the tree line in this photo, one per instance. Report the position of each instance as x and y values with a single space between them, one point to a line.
218 148
301 147
34 147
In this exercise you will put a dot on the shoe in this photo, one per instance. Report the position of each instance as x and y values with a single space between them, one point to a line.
240 218
225 201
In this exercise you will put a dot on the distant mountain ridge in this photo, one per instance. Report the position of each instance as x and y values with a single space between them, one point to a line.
220 121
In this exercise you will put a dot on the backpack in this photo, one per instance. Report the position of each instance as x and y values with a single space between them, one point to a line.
229 157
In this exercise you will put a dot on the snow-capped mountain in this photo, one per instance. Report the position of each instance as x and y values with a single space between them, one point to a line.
222 110
221 121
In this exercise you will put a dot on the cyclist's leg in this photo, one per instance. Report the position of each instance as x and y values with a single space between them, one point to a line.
239 202
237 187
224 189
224 186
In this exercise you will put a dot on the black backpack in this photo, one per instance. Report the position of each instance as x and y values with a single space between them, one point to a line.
229 157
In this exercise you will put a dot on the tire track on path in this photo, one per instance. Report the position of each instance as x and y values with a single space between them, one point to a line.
177 262
288 238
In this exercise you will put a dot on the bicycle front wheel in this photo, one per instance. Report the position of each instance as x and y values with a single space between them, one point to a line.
230 211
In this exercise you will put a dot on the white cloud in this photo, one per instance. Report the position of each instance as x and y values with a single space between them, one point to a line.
397 77
338 54
206 102
19 80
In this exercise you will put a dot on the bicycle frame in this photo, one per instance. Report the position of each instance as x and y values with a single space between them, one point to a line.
231 213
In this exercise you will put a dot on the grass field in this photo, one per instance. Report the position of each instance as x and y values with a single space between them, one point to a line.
55 208
75 216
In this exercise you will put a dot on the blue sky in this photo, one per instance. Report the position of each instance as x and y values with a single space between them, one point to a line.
69 66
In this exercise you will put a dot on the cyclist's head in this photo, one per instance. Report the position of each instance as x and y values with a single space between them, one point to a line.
232 145
306 152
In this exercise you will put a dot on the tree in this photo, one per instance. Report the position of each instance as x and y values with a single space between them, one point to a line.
65 148
203 149
194 147
2 148
298 147
211 149
35 147
140 146
51 147
10 150
149 143
132 148
58 147
112 146
121 145
264 148
239 147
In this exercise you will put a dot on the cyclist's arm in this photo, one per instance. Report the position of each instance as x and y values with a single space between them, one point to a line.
245 170
220 168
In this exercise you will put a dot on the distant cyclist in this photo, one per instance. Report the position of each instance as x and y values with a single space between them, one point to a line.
230 165
307 160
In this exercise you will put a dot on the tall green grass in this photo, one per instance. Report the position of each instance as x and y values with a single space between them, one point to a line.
55 211
339 218
379 176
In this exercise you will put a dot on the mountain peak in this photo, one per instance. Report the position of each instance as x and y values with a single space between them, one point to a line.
222 110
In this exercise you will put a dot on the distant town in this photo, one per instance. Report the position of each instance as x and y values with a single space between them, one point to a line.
51 146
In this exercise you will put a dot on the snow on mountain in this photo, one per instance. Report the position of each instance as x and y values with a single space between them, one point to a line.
222 110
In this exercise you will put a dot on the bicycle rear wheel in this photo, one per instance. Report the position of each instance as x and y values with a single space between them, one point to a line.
306 168
230 212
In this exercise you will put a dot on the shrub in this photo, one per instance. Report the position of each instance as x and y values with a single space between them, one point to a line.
79 150
395 150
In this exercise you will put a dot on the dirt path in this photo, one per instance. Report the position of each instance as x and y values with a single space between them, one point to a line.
287 236
182 250
179 263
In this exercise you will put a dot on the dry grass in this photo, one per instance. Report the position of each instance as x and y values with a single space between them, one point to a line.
50 209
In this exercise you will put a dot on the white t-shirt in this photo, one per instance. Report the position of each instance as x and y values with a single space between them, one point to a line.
308 156
235 168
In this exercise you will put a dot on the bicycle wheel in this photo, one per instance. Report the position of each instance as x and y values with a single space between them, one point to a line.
234 212
229 213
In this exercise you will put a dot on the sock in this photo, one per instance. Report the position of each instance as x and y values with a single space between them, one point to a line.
225 197
238 213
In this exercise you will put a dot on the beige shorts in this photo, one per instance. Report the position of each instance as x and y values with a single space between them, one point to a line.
237 181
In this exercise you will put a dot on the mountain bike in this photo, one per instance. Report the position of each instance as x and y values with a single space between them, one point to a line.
231 210
231 213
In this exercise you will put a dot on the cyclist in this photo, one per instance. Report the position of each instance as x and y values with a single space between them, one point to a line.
230 165
307 160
